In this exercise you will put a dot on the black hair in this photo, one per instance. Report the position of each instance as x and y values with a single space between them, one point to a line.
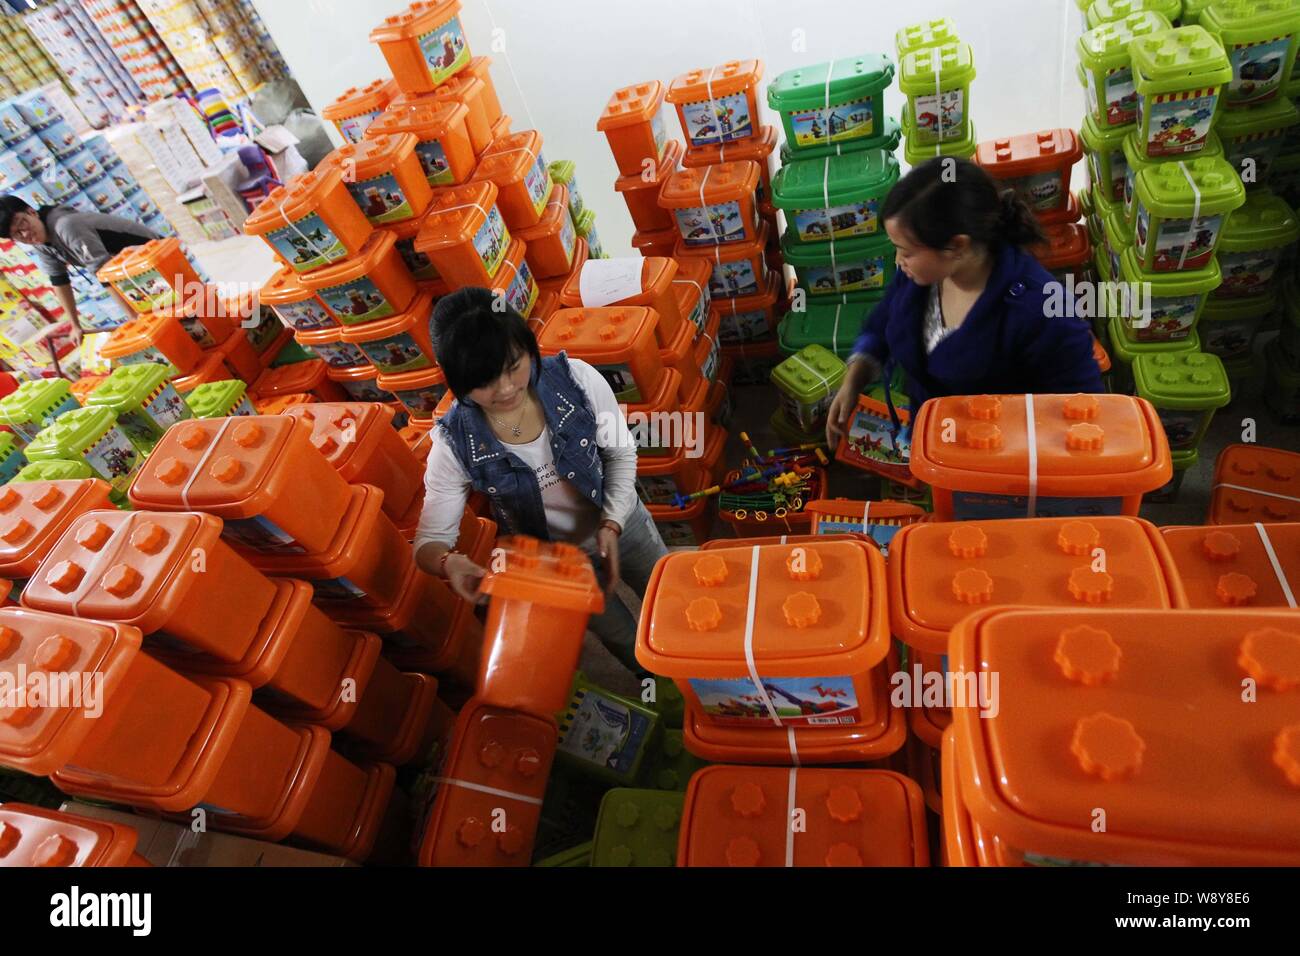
11 206
476 336
946 197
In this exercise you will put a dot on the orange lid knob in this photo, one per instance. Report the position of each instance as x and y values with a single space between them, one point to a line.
226 469
1244 465
9 837
844 804
1235 589
65 576
748 800
1280 470
193 437
743 851
170 471
1087 655
121 580
92 535
802 610
491 753
246 434
608 331
804 563
326 445
9 639
1276 511
843 854
56 653
8 498
1272 657
1085 437
149 537
983 435
19 716
471 832
1238 503
968 541
710 570
1093 587
16 530
1286 753
1081 408
48 497
972 586
986 408
1220 546
55 850
703 614
1107 746
1078 537
528 763
512 841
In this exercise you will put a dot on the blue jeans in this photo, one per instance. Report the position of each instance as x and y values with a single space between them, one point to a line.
639 547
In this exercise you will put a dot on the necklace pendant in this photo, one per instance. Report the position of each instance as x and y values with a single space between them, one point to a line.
515 429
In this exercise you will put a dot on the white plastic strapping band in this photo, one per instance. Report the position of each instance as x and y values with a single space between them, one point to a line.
1257 491
704 206
1031 439
826 198
826 102
835 330
866 512
790 739
301 235
938 109
105 557
789 818
1196 213
203 460
491 791
1277 565
826 384
749 639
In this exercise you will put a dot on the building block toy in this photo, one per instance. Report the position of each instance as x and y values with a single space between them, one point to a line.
637 828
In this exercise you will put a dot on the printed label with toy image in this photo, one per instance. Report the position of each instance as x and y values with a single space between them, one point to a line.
433 160
1121 97
709 367
356 302
364 391
806 416
844 277
621 381
1178 126
146 292
1182 244
721 120
568 237
308 244
138 428
797 701
969 505
397 353
731 280
1228 340
871 443
882 534
198 331
835 124
1181 427
594 249
576 205
341 354
492 241
940 118
605 733
1041 192
710 225
659 130
304 315
699 316
1257 70
522 293
381 199
114 459
421 402
354 127
1172 318
335 589
854 219
167 407
144 357
421 268
1247 273
445 51
539 184
263 333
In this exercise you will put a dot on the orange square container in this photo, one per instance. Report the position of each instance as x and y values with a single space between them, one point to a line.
300 378
419 391
357 108
713 204
498 759
619 342
1103 709
374 285
660 242
1068 251
250 472
297 306
691 289
281 403
550 245
500 130
33 514
720 104
384 176
472 92
658 292
425 45
1234 565
787 610
661 479
740 816
555 284
210 369
641 193
1084 455
939 571
209 319
311 221
757 150
442 145
738 268
480 68
328 345
360 382
523 180
751 318
1254 483
397 344
1037 166
958 844
141 569
240 359
152 276
37 837
708 354
464 234
157 338
633 123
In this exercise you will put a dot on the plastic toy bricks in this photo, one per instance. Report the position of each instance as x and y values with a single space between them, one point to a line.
33 514
1255 483
1090 455
745 816
1102 709
1254 565
34 836
637 828
542 594
489 797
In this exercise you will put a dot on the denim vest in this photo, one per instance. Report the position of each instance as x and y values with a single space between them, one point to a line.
510 484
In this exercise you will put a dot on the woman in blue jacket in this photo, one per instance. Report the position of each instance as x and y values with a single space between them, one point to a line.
967 311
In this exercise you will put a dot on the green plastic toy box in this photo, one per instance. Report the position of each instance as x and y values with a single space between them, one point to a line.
838 101
1260 37
35 405
1176 299
1192 10
1110 11
669 765
1135 161
936 81
220 399
1106 68
144 401
669 703
585 226
915 152
1181 210
637 828
918 36
1229 324
1178 74
91 435
888 142
1123 351
864 264
1254 138
1118 240
807 382
1107 167
833 327
1282 383
1186 388
11 457
605 734
579 855
54 471
565 171
836 197
1255 239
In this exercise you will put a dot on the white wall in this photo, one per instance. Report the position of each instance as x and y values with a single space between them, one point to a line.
567 57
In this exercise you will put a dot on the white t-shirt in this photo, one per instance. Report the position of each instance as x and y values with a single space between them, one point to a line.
569 516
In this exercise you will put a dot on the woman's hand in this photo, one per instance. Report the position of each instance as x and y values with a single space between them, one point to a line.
607 545
464 577
862 371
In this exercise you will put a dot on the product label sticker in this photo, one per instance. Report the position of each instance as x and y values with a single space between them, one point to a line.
198 331
492 240
308 244
421 268
845 277
854 219
396 353
1181 427
710 225
939 118
659 130
143 357
1257 70
422 402
340 354
1178 126
261 534
730 280
722 120
837 124
1118 174
445 51
1196 238
354 128
712 359
972 505
1247 273
806 416
336 589
1172 318
114 459
594 249
1042 192
523 291
1228 340
139 429
433 160
539 185
365 390
381 199
798 701
356 302
1121 97
743 326
167 408
568 236
882 534
263 334
146 292
1263 151
620 379
304 315
606 733
576 205
244 407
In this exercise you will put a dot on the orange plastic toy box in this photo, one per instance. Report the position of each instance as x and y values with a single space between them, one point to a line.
33 514
740 816
738 268
515 281
210 369
250 472
327 344
657 242
713 204
679 354
498 758
707 353
1037 166
157 338
691 289
357 108
399 343
720 104
1254 483
1234 565
518 167
619 342
361 382
958 844
757 150
442 146
633 123
877 521
419 391
464 234
373 285
297 306
311 221
425 45
1014 456
1068 250
152 276
660 479
939 571
659 291
208 320
308 378
36 836
550 245
1103 709
641 193
752 318
471 92
384 175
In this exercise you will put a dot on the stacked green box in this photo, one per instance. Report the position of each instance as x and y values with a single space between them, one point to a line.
1177 299
54 471
1186 388
840 102
604 734
937 83
833 327
90 435
669 703
837 197
585 226
11 457
143 400
669 765
1255 240
1169 197
1228 325
888 143
565 171
1179 75
1110 11
918 36
1106 68
1253 138
862 266
638 828
1260 39
35 405
1135 161
1123 352
579 855
220 399
808 382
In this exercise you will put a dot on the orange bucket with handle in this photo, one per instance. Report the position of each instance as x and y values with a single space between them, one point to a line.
384 176
523 180
357 108
425 45
311 221
633 123
442 143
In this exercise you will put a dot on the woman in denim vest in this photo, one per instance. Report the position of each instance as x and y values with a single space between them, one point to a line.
546 442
